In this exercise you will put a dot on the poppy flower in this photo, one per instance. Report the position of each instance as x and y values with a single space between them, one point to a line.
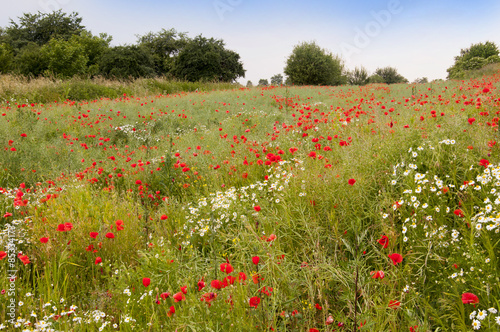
3 254
226 267
242 276
184 289
164 217
271 238
351 182
98 260
396 258
484 163
393 304
171 311
255 260
201 284
256 208
229 280
24 259
165 296
44 239
179 297
119 225
64 227
329 320
93 235
471 120
110 235
317 306
208 298
384 241
7 214
469 298
459 213
254 301
216 284
146 282
313 330
377 274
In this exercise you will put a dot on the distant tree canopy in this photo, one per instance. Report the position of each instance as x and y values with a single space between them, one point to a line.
388 75
474 57
359 76
310 65
263 82
57 44
277 79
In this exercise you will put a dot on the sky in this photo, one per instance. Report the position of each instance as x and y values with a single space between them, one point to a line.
420 38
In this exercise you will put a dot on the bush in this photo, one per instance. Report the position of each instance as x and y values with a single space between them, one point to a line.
390 75
310 65
126 62
65 58
6 58
359 76
473 58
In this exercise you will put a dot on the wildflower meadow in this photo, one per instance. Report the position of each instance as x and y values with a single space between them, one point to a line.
348 208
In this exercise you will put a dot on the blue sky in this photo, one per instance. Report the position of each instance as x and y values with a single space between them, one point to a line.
419 38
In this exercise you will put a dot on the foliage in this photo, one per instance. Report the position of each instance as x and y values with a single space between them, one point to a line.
126 62
164 46
40 28
249 84
277 80
204 59
359 76
31 61
375 79
6 58
263 82
473 58
390 75
65 58
310 65
421 80
93 48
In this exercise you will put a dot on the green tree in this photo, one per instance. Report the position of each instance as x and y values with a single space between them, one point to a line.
126 62
65 58
31 61
390 75
6 58
310 65
277 79
359 76
421 80
164 46
39 28
207 59
375 79
93 47
474 57
263 82
249 84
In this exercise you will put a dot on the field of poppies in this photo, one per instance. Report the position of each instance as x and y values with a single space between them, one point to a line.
372 208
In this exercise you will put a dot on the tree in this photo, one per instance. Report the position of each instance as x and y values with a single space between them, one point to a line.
375 79
474 57
93 47
6 58
39 28
207 59
421 80
310 65
30 61
249 84
359 76
164 47
65 58
263 82
277 79
390 75
126 62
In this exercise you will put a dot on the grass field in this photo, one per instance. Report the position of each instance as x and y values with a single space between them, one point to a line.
372 208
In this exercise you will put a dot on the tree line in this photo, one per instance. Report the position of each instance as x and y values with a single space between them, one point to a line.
57 44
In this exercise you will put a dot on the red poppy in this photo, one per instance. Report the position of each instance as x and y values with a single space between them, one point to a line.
44 239
24 259
98 260
93 235
242 276
7 214
165 296
396 258
256 208
146 282
226 267
459 213
393 304
119 225
164 217
64 227
110 235
413 328
3 254
201 284
484 163
313 330
208 298
377 274
271 238
469 298
384 241
138 182
471 120
351 182
255 260
179 297
184 289
229 280
317 306
254 301
216 284
171 311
